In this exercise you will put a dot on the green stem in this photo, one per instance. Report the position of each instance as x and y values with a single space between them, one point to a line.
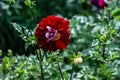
42 74
60 71
41 66
33 16
103 52
71 73
72 65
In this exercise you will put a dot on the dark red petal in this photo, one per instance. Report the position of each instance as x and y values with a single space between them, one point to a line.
53 21
60 45
64 25
40 35
52 46
64 35
66 41
49 46
41 41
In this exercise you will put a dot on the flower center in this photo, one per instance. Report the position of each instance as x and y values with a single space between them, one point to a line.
52 34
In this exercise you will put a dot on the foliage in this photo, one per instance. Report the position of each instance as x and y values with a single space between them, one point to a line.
94 38
19 11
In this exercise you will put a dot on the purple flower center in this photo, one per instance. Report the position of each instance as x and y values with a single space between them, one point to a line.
51 34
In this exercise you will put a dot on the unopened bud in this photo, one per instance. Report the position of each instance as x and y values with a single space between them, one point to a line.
78 60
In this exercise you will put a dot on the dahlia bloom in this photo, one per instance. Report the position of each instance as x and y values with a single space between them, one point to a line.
99 3
52 33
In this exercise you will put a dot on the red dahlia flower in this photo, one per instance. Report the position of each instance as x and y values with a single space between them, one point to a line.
99 3
52 33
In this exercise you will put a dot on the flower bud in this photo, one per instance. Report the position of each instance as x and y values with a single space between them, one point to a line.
78 60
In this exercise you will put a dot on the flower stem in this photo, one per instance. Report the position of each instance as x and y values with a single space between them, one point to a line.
60 71
33 16
103 52
42 75
72 65
71 73
41 66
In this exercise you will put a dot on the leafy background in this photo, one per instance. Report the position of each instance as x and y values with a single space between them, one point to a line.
95 37
21 14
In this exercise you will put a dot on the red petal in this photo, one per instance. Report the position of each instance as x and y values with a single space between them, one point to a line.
41 41
60 45
64 35
49 46
64 25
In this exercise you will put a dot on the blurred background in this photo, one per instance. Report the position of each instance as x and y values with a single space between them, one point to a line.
95 37
19 13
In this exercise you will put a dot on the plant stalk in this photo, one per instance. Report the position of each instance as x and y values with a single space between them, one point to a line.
41 66
71 73
42 74
33 17
60 71
103 52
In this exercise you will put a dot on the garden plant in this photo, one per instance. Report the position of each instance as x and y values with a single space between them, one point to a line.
60 40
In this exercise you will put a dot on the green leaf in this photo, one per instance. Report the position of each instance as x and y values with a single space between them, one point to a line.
95 42
66 75
103 38
73 22
17 27
116 12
